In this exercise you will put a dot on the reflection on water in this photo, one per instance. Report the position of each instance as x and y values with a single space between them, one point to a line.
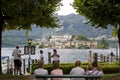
66 55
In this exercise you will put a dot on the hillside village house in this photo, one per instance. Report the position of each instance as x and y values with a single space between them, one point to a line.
64 41
88 44
60 41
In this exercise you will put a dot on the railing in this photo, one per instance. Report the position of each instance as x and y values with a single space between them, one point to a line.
107 58
101 58
86 77
91 57
9 66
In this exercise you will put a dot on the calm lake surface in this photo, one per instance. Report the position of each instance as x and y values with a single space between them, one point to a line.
66 55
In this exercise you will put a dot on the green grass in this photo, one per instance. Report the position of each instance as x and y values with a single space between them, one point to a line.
30 77
16 77
111 77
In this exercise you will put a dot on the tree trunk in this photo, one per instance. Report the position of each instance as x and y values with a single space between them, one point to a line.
119 45
2 18
0 49
1 25
0 39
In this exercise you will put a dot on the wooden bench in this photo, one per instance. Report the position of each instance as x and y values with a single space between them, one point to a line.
90 77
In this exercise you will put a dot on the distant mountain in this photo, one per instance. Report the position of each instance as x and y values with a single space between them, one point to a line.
71 24
75 24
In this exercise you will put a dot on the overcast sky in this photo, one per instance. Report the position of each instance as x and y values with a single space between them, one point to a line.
66 8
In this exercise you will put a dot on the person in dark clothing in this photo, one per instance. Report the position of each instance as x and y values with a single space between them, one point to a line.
112 54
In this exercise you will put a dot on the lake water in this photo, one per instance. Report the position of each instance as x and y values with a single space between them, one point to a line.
66 55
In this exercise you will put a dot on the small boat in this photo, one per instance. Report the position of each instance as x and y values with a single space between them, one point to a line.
4 63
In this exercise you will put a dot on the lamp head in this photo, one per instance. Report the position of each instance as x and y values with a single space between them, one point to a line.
29 41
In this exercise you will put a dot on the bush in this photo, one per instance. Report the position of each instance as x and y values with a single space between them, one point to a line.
108 68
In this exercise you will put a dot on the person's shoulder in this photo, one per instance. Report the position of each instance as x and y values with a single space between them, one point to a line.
79 68
89 71
53 70
35 70
101 73
82 69
74 69
60 69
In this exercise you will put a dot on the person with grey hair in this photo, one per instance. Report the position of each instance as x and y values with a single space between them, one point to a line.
41 70
77 70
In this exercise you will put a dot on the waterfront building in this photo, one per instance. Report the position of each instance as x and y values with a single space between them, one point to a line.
60 41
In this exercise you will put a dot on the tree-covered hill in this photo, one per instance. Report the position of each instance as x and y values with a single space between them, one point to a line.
71 24
76 24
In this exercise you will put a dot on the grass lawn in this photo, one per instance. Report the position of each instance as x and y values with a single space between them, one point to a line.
30 77
111 77
13 77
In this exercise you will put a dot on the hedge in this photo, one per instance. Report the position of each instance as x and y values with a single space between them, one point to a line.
107 68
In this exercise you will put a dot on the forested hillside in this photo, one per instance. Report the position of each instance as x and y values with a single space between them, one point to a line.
71 24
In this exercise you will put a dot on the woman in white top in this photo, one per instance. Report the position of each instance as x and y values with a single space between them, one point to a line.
41 56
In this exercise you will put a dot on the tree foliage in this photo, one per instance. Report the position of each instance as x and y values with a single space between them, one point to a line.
24 13
79 37
99 12
21 14
103 44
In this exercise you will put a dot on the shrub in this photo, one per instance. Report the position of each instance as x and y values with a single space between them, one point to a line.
108 68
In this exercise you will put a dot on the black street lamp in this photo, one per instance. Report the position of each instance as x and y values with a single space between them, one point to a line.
117 52
29 51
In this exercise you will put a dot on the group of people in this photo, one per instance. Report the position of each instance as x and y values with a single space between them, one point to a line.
18 63
77 70
55 56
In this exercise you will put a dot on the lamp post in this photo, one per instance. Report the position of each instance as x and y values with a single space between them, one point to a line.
117 52
29 50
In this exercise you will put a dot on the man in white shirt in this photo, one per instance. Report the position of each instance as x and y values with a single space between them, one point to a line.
77 70
41 70
17 62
